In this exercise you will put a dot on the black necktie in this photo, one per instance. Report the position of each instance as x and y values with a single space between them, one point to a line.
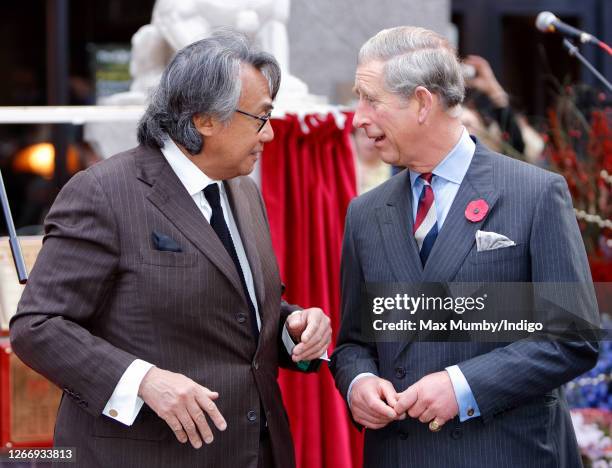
217 221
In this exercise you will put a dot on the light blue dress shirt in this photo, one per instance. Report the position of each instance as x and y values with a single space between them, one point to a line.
448 176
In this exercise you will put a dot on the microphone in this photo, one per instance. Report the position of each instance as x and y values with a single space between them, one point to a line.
547 22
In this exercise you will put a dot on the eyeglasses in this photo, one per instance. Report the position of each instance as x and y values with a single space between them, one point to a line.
263 119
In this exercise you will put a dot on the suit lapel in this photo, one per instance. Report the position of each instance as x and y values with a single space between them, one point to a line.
170 197
244 220
458 234
395 222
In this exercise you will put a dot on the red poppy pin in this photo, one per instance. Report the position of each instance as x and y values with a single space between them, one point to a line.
476 210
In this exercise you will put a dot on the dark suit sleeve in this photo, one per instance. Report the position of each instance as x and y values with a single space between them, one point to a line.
511 375
66 288
352 355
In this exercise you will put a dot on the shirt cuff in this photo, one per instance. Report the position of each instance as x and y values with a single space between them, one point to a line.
468 408
287 340
359 376
125 404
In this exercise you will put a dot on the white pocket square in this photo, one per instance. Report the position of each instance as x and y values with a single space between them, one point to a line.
491 241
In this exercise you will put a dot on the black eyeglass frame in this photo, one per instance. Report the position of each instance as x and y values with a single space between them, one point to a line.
263 120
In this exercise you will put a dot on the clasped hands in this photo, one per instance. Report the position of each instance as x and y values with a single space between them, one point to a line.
375 403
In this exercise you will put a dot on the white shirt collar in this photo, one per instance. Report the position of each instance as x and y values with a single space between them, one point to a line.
190 175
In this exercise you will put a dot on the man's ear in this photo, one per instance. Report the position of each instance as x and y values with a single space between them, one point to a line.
205 124
425 102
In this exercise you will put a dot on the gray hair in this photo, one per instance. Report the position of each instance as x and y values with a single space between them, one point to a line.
417 57
202 78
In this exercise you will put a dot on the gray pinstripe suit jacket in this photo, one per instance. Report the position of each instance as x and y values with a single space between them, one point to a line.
101 296
524 417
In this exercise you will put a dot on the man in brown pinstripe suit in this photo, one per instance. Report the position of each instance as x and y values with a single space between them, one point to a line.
155 303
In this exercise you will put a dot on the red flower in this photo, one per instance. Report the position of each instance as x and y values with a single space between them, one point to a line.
476 210
574 133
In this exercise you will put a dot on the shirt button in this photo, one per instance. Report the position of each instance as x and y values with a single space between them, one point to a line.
241 317
113 413
400 372
470 412
252 416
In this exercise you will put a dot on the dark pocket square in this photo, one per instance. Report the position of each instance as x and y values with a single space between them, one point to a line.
164 243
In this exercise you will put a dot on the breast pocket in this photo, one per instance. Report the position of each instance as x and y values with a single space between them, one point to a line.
499 255
169 259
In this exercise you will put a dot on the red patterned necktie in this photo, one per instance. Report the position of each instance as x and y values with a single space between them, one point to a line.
426 222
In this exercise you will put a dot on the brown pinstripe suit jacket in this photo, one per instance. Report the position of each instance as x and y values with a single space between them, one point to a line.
101 296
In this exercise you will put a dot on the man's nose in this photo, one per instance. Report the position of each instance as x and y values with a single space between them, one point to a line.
359 118
267 133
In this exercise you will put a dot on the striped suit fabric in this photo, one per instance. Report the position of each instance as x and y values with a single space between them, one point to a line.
100 295
524 419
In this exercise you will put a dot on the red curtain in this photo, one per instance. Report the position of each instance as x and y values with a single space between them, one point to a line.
308 179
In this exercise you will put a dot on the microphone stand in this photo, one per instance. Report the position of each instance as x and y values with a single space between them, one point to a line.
20 265
573 51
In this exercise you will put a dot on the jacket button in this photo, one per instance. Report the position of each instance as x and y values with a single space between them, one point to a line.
403 435
400 372
252 416
241 317
457 433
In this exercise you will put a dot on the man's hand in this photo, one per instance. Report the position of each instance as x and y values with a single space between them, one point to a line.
311 329
372 402
431 397
485 81
181 402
